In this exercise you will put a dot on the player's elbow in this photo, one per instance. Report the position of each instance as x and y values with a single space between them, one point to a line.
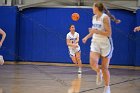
4 34
108 34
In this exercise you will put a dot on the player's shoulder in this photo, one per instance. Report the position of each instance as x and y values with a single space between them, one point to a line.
94 16
105 16
76 33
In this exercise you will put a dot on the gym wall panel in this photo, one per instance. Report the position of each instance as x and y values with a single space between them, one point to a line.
8 22
137 61
31 34
122 34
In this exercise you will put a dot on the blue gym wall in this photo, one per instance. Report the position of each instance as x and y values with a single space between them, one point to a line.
137 57
41 34
8 22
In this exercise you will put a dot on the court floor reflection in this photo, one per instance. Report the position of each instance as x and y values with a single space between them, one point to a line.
76 84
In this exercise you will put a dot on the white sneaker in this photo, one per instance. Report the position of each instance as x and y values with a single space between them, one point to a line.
79 71
99 78
79 75
1 60
107 89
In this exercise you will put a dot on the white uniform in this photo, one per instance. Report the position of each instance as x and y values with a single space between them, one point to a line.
100 43
73 38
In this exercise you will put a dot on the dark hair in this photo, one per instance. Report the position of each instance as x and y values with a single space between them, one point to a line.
71 25
102 8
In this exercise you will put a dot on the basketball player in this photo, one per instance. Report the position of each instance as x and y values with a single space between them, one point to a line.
101 43
72 40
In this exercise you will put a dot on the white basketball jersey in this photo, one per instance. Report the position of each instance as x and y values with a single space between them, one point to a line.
72 37
99 25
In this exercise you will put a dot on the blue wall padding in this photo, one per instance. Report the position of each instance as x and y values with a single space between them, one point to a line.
122 33
8 22
137 59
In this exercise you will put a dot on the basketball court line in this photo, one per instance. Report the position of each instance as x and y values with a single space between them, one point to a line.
114 84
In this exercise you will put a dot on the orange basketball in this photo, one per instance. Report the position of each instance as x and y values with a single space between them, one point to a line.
75 16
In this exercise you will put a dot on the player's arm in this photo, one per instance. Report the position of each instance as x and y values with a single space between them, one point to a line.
107 27
87 37
77 39
3 36
69 43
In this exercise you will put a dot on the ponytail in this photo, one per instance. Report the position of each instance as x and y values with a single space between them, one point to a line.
111 16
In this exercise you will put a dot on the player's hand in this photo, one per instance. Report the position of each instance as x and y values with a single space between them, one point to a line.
136 29
117 21
75 45
84 40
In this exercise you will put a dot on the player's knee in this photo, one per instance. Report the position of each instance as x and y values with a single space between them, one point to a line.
104 68
74 61
93 65
78 59
93 62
